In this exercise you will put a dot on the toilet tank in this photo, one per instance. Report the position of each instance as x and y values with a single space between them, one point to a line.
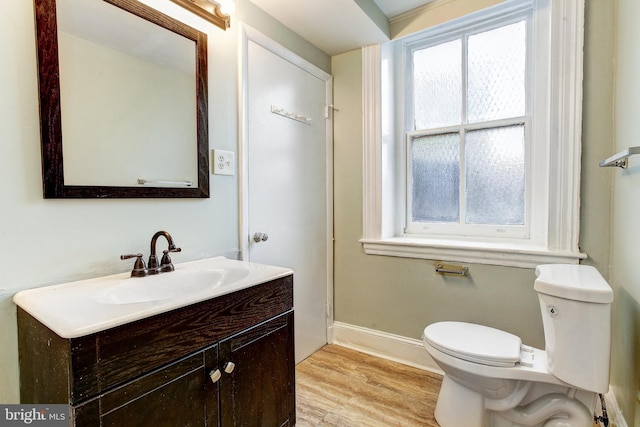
575 301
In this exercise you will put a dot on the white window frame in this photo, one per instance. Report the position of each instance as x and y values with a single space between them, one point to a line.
435 37
557 28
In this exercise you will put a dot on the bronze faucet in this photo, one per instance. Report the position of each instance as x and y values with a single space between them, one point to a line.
165 263
141 270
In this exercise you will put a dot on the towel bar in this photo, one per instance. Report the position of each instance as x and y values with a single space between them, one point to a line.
620 159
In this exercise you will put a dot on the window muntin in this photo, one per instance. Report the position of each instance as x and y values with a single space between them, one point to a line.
467 134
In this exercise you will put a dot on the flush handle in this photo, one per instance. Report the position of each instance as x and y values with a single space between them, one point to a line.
260 237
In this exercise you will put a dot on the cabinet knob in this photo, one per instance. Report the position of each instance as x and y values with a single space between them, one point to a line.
229 367
215 375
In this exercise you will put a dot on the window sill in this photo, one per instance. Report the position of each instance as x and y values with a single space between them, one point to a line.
502 254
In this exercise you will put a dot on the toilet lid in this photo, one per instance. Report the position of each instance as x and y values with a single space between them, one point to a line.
475 343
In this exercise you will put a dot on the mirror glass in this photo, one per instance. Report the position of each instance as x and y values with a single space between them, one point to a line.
127 116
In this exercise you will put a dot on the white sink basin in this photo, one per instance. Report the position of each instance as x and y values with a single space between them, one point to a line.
80 308
180 283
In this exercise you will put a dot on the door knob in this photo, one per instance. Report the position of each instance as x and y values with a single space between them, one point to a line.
260 237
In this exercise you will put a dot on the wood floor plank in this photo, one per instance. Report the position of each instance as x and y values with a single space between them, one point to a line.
337 386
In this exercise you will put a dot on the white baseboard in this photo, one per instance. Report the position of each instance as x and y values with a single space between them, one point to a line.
616 419
381 344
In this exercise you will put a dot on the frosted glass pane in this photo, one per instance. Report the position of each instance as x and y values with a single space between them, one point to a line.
495 176
496 80
435 169
437 85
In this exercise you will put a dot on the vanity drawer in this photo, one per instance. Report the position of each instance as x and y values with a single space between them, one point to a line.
84 367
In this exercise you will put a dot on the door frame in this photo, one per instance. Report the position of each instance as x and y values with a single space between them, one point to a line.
247 34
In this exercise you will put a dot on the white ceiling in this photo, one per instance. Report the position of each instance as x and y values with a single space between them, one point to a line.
335 26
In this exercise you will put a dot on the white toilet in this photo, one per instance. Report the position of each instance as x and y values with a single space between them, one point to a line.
493 380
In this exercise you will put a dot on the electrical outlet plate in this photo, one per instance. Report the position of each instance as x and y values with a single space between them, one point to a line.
223 162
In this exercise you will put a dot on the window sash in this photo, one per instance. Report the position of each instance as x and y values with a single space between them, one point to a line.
461 228
417 228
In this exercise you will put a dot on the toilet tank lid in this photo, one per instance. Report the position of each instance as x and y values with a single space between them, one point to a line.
573 281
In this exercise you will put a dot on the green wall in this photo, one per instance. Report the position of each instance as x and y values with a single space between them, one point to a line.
625 224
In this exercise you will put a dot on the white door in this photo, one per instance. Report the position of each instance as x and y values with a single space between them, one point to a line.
286 154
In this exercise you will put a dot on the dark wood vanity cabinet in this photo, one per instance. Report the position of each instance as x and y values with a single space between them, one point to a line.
228 361
255 390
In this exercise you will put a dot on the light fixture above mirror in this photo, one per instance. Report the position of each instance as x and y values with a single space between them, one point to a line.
215 12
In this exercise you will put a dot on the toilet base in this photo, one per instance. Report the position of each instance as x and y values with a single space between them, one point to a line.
459 406
538 406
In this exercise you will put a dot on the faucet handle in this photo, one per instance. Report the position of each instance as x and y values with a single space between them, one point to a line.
165 264
139 269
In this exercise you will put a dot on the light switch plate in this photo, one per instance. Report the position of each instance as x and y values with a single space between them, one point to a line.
223 162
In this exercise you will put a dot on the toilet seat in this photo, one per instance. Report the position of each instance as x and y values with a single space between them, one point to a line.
474 343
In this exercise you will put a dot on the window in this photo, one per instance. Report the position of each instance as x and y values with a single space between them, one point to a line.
467 132
472 138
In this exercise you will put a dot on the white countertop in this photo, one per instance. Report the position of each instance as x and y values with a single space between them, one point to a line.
84 307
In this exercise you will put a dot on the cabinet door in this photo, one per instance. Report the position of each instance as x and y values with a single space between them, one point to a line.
181 394
259 389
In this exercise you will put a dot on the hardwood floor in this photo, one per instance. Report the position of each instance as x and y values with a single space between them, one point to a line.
340 387
337 386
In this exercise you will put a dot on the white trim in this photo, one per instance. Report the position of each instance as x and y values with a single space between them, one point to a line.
567 32
388 346
372 137
616 419
476 252
329 213
248 33
558 241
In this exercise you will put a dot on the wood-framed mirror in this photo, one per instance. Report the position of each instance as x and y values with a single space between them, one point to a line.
123 101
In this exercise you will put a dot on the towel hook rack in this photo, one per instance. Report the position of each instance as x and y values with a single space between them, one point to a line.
291 115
